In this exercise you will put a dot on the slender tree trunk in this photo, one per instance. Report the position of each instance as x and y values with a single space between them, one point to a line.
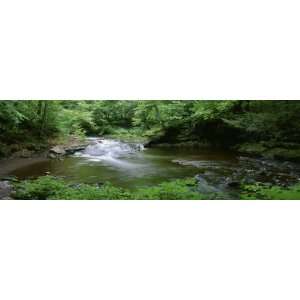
157 112
44 117
40 106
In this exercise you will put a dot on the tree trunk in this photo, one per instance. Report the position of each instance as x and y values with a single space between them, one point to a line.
44 117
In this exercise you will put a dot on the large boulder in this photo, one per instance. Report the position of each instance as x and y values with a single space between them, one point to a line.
57 151
73 149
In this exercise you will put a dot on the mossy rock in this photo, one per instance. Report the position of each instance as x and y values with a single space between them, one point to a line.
265 150
283 154
256 149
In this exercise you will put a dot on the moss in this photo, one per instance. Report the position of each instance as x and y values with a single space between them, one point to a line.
256 149
173 190
283 154
288 152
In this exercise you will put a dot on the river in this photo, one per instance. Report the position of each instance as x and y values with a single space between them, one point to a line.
131 166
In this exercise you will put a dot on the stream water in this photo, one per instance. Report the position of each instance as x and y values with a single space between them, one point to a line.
129 165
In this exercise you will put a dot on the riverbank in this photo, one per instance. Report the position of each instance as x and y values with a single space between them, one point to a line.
53 188
218 174
277 151
281 152
273 150
41 148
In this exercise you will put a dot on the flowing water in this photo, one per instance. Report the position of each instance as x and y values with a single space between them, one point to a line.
129 165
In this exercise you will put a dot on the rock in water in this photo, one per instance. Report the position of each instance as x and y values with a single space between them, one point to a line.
74 149
204 186
57 150
52 155
5 190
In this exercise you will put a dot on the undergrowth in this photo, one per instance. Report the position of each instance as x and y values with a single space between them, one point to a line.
266 192
48 187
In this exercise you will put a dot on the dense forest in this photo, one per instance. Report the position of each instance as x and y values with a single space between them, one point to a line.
221 123
267 129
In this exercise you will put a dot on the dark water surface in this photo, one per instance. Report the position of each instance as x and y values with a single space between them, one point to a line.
131 166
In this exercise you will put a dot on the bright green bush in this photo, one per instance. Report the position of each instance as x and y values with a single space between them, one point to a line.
41 188
91 192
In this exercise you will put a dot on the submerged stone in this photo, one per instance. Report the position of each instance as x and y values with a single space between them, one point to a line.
204 186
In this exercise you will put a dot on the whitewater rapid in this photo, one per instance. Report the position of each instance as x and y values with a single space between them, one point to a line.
111 151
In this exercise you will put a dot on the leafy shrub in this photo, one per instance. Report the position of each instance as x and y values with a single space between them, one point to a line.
90 192
41 188
48 187
173 190
259 191
77 122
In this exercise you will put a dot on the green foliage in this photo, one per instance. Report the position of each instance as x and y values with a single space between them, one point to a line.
221 123
161 113
19 118
212 110
264 192
10 115
90 192
173 190
128 135
48 187
39 189
110 114
78 122
268 120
